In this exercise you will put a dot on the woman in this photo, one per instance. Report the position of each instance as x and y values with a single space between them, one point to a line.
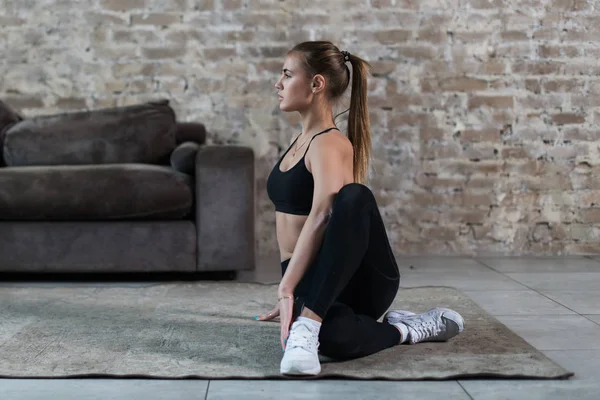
338 272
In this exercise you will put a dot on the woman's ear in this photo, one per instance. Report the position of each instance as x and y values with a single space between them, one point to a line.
318 83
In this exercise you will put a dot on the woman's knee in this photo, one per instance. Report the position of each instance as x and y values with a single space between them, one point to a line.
354 194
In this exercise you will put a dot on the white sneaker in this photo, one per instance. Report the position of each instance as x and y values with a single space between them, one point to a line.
394 316
301 355
435 325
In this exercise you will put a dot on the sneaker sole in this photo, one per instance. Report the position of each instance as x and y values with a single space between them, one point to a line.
296 371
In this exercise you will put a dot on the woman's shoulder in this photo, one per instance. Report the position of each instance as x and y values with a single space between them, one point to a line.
333 140
333 144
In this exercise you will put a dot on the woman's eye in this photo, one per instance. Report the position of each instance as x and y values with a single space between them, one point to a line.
287 76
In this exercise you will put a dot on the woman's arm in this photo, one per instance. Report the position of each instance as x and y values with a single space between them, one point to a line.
329 159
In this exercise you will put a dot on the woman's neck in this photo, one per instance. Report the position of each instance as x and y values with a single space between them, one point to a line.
316 119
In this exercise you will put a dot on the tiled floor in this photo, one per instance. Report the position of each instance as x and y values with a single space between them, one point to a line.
553 303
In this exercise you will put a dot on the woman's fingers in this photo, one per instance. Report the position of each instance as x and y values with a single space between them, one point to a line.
268 315
285 307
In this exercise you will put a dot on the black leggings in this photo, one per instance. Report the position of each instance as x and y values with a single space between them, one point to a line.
352 280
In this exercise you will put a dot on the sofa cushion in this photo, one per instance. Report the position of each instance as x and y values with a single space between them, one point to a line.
190 132
8 117
183 158
94 192
143 133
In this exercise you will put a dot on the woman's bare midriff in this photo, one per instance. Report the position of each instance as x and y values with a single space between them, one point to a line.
288 227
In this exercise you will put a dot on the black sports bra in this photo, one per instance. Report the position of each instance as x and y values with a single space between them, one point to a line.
291 191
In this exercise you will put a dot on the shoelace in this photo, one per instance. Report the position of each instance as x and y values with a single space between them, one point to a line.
423 326
301 336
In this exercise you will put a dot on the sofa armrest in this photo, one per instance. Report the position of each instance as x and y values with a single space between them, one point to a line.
225 208
183 158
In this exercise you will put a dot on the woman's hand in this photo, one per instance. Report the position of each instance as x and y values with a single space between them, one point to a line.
274 313
286 309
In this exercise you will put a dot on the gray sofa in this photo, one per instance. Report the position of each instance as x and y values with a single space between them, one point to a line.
125 189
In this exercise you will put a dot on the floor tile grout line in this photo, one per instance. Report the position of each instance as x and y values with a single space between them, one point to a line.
592 258
485 265
597 261
544 295
207 388
536 291
591 320
538 315
465 390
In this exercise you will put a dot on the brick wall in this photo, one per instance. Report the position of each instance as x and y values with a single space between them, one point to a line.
484 112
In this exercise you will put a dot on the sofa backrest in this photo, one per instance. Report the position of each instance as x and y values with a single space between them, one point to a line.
143 133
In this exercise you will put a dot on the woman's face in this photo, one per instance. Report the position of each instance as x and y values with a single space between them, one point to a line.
294 87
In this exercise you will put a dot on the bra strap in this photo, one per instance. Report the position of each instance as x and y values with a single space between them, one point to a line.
311 139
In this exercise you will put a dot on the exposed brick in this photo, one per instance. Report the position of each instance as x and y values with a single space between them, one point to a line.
431 133
71 103
589 215
439 233
474 199
432 35
578 133
217 54
533 85
135 37
144 86
440 150
412 119
432 181
205 5
544 33
10 21
480 135
417 52
514 152
483 182
491 101
103 18
563 85
514 36
454 84
394 36
493 67
241 36
553 51
568 118
274 51
589 199
231 4
403 4
23 102
485 4
537 67
540 101
158 53
160 19
576 35
135 69
571 5
123 5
